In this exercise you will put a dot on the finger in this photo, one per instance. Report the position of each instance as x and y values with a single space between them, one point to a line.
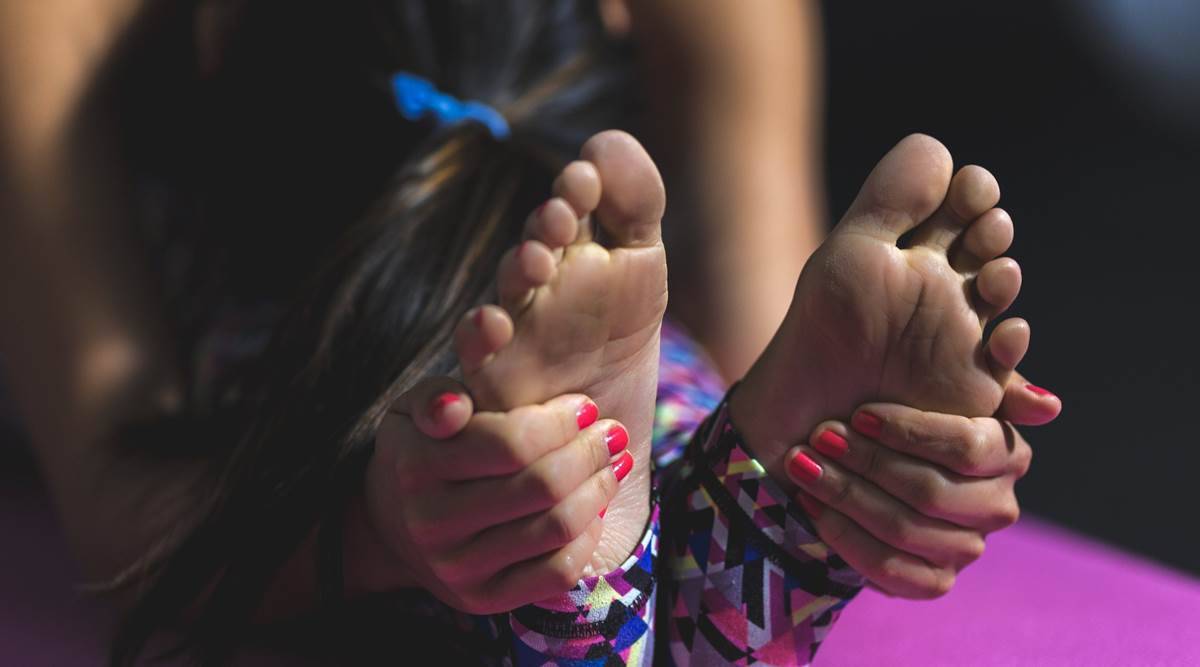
501 545
1027 404
440 406
979 503
545 576
502 443
976 447
883 516
896 572
543 484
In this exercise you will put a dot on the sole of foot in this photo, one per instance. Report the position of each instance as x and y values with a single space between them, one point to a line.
581 305
892 307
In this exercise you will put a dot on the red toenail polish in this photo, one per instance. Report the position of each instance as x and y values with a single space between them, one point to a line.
831 444
812 507
623 465
586 416
616 439
803 469
603 511
867 424
443 401
479 319
1039 391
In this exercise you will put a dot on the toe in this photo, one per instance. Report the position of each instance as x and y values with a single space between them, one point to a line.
997 286
578 185
523 268
1006 347
480 334
631 205
904 189
985 239
554 224
972 191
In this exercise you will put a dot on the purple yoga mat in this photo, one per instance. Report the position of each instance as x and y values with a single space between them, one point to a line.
1040 596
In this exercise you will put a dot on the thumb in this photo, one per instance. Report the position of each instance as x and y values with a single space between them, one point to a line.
1025 404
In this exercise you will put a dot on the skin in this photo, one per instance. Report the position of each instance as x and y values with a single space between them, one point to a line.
735 107
91 352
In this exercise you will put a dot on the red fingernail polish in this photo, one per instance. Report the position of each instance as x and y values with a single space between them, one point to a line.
812 507
804 469
623 465
867 424
442 402
831 444
1039 391
616 439
603 511
588 412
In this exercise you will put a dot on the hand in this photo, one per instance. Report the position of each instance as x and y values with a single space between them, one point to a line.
489 511
906 497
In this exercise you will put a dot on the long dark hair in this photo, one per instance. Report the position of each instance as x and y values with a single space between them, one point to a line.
307 193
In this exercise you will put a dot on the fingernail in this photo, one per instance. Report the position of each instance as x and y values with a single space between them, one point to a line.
623 465
603 511
867 424
1039 391
588 412
831 444
803 469
439 405
616 439
812 507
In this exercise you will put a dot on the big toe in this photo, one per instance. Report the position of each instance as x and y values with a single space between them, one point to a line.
904 189
633 198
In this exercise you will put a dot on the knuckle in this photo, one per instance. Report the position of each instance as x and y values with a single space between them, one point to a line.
842 488
1022 459
927 493
971 452
872 464
973 550
942 584
561 527
548 487
1007 514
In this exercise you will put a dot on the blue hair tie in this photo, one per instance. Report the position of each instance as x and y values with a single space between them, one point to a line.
417 99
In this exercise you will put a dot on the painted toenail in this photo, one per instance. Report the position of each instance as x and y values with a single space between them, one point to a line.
803 469
623 465
603 511
867 424
443 401
616 439
831 444
1039 391
587 414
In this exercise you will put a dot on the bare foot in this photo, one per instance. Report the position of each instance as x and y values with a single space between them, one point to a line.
582 314
874 321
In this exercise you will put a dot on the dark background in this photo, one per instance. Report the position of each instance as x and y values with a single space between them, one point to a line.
1098 164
